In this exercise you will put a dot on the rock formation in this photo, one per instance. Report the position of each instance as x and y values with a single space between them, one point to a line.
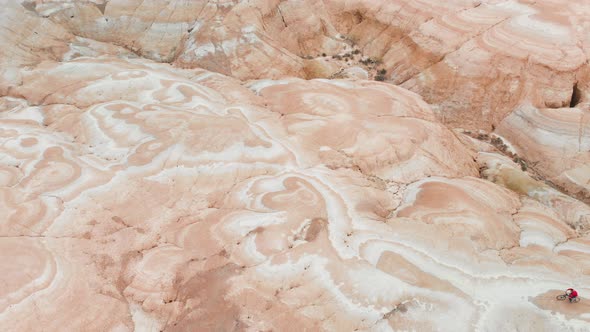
474 60
556 142
173 166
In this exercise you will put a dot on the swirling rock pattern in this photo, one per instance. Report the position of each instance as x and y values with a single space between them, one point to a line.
137 195
475 61
174 203
556 141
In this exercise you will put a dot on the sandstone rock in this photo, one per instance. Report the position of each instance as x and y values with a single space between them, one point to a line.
184 209
142 195
319 68
355 73
505 172
556 142
247 40
474 61
378 129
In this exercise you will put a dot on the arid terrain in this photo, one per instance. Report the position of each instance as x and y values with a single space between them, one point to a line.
294 165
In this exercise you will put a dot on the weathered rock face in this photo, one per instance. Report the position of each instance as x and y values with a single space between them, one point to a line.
252 39
556 142
145 196
475 61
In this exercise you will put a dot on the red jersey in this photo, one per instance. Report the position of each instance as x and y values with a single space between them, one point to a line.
573 293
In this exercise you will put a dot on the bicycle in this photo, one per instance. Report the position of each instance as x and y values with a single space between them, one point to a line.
565 296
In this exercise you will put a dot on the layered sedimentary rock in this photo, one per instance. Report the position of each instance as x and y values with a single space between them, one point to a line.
474 60
180 199
251 39
556 142
145 196
506 173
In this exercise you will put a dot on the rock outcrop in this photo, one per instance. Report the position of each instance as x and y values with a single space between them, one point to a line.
475 61
165 166
556 142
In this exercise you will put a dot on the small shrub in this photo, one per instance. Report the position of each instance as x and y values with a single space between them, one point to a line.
380 78
323 54
496 141
383 72
374 61
356 52
521 162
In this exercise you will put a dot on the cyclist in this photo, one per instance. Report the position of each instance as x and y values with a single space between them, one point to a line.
571 294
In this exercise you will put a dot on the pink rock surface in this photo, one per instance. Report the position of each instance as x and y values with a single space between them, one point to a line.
166 195
135 188
556 141
475 61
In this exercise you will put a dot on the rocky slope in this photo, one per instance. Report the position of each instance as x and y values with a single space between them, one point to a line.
166 166
475 60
